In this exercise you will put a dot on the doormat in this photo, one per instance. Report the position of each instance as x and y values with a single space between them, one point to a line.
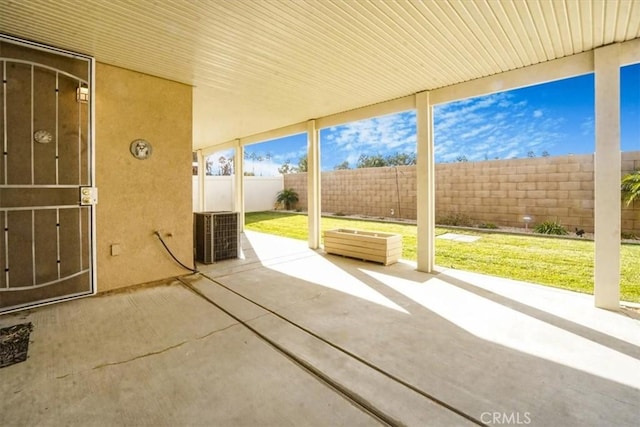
14 344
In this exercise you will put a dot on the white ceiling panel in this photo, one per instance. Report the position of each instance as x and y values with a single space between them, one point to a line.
258 65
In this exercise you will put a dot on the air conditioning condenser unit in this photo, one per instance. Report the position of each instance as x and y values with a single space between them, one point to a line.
216 236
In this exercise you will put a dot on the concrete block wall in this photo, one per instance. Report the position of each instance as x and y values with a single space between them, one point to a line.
501 192
504 191
631 213
378 192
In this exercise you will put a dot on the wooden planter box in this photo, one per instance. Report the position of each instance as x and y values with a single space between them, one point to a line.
385 248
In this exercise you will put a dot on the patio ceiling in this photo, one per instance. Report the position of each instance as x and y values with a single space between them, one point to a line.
261 65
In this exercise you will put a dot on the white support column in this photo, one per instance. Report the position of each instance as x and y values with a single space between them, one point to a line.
607 177
425 179
201 182
313 184
238 170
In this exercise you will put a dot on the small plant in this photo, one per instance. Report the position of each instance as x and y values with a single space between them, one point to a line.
550 227
339 214
630 187
628 236
455 219
488 225
287 197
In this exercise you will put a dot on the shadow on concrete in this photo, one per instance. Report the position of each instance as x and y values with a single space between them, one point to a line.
437 355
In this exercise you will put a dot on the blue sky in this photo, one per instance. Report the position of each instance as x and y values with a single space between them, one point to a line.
555 117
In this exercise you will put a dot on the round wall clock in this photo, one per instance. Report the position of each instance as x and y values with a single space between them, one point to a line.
140 149
42 136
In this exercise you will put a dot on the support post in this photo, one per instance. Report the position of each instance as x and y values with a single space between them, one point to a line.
425 180
201 182
313 184
238 187
607 176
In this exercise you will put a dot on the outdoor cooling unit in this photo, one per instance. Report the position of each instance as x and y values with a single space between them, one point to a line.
216 236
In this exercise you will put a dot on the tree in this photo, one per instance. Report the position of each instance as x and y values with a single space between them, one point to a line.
288 197
545 153
401 159
531 154
209 165
287 168
302 164
342 166
461 159
253 157
225 166
375 161
630 187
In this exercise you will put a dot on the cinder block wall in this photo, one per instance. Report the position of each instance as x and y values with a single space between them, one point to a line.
631 214
501 192
379 192
504 191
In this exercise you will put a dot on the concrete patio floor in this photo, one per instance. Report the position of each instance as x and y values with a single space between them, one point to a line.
290 336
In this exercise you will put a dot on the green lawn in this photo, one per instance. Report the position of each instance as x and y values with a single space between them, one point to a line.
562 263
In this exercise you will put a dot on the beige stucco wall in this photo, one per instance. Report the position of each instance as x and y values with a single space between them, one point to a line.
137 197
497 191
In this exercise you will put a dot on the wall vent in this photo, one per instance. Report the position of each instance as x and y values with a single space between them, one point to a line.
216 236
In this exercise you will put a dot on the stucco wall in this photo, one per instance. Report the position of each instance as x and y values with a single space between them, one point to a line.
498 191
137 197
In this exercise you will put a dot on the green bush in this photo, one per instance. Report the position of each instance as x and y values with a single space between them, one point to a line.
455 219
488 225
550 227
630 187
287 197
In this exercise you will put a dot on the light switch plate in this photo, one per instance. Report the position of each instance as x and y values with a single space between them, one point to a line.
88 196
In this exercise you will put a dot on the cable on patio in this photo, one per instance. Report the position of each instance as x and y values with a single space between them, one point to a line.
342 350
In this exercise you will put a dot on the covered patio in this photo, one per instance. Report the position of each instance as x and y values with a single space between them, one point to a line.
206 76
266 340
287 335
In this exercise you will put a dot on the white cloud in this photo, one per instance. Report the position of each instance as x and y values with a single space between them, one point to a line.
501 125
495 126
381 135
587 127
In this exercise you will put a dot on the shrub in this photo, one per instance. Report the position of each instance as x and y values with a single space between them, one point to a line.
550 227
488 225
455 219
630 187
288 197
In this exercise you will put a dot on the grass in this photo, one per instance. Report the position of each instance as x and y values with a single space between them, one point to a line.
561 263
